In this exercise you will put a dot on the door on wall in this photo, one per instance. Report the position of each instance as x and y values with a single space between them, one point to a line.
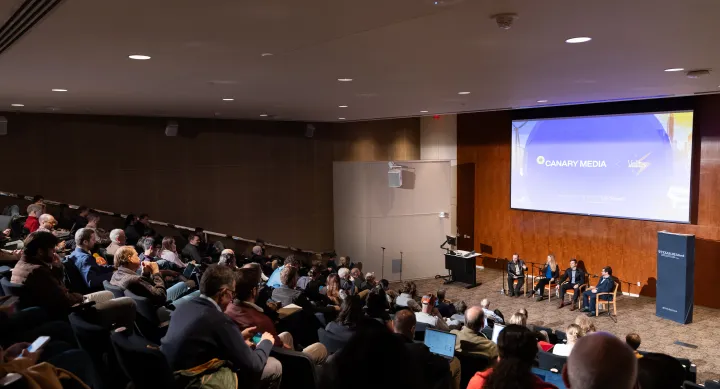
466 206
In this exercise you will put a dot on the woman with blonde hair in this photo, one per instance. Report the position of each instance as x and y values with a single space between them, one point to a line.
169 252
518 318
332 291
585 324
574 332
549 273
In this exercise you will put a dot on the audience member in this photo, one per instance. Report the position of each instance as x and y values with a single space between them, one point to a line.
47 222
348 320
633 340
143 226
41 272
191 251
459 315
485 304
80 220
313 273
246 314
517 349
518 318
430 315
102 237
600 361
274 279
446 308
390 294
117 240
573 332
470 340
38 199
286 294
333 291
169 252
586 325
343 262
92 273
407 296
345 283
131 233
199 331
32 223
376 306
434 368
227 258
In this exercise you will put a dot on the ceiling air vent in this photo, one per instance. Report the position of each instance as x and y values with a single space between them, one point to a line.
26 16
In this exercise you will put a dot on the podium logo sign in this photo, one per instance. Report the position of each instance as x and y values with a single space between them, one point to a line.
670 254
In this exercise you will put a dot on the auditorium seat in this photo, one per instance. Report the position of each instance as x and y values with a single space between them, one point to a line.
147 318
469 365
332 343
116 290
692 385
560 336
712 384
420 331
94 339
551 362
298 371
17 290
142 361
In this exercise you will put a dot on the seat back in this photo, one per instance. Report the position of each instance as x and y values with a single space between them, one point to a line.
331 342
560 336
469 365
74 280
94 339
145 308
551 362
17 290
298 371
142 361
487 331
117 291
712 384
420 331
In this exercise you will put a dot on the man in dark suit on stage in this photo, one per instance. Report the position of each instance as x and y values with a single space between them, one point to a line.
605 285
575 278
516 271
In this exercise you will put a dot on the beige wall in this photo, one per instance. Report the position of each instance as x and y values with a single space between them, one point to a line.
245 178
370 215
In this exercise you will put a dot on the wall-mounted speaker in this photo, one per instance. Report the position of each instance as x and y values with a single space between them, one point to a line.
171 129
309 131
3 125
395 178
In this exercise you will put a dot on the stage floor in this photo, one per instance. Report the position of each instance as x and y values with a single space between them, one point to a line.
634 314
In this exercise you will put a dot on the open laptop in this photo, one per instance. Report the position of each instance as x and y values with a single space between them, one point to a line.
497 329
440 343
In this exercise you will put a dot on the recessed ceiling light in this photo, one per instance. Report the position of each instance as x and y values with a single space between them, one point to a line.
17 105
463 93
139 57
342 106
542 101
59 90
266 54
228 99
345 79
263 115
675 70
423 111
580 39
341 118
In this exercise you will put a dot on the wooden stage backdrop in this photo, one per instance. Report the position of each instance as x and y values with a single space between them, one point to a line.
629 246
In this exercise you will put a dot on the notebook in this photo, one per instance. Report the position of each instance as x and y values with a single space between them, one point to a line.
497 329
440 343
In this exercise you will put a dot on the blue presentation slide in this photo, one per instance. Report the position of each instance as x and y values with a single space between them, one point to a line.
634 166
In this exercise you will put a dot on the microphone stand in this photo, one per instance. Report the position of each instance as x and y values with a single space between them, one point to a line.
502 280
382 268
528 280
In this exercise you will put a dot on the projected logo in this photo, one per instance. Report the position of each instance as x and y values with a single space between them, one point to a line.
540 160
639 164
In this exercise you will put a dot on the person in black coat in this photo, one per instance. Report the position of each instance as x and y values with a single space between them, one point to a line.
575 278
516 271
549 273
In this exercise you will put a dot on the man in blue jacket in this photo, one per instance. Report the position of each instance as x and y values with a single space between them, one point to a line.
606 285
200 331
92 273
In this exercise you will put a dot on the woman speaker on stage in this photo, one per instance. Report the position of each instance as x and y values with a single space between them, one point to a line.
550 272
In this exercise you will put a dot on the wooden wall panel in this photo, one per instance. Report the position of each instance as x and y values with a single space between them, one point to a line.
629 246
247 178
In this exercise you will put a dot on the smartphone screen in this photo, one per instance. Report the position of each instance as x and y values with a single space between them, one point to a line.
257 338
38 343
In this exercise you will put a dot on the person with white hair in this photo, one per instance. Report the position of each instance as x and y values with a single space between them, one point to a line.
600 361
369 282
227 258
117 240
345 283
489 314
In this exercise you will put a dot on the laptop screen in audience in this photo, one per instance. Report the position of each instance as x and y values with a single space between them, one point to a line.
496 332
440 343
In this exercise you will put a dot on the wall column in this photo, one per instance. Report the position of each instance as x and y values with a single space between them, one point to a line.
438 140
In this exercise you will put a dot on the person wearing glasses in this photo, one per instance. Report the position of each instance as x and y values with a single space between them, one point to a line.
200 331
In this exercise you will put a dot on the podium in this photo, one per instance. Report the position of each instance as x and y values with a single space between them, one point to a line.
675 277
461 265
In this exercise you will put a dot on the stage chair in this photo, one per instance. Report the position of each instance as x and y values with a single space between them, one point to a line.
612 301
571 292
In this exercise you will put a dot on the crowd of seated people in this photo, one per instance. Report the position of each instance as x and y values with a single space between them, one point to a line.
226 313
